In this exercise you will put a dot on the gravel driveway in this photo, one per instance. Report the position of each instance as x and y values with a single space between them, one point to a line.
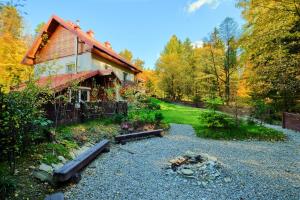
259 170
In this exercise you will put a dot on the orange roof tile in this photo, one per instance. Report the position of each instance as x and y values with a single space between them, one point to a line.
63 81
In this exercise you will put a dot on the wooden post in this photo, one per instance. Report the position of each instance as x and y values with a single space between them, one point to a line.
283 120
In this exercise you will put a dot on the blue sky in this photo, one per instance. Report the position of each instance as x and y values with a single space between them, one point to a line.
142 26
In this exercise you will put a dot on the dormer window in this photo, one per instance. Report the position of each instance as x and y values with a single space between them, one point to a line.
70 68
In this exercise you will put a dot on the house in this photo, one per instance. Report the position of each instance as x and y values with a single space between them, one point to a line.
64 54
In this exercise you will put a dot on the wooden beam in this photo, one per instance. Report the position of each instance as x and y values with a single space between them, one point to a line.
71 169
123 138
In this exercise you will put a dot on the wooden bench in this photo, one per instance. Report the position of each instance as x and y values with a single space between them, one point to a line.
123 138
71 169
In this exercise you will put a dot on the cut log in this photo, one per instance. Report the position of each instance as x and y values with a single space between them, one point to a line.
71 169
123 138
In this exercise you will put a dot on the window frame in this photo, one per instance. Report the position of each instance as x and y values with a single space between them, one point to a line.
80 89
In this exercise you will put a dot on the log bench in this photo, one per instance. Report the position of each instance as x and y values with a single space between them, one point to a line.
71 169
124 138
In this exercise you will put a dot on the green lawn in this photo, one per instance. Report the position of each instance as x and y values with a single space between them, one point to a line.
188 115
179 114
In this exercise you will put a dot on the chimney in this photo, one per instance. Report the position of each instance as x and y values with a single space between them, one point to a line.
107 44
77 25
90 33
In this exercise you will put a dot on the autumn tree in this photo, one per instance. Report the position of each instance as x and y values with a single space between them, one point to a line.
210 59
139 63
127 55
170 66
271 43
228 34
12 48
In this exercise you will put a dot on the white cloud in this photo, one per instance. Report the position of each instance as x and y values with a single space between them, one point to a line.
197 44
196 5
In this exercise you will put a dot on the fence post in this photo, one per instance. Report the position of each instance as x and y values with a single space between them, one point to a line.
283 120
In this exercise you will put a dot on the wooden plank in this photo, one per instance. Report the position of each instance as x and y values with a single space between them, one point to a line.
71 168
123 138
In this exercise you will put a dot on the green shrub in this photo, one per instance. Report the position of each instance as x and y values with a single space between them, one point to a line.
52 151
213 103
196 99
214 120
250 121
22 119
7 186
153 106
7 183
118 118
158 117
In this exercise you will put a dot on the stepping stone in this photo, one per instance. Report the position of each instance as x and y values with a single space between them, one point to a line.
55 196
187 172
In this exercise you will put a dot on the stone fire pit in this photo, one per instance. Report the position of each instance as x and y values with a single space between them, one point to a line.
201 168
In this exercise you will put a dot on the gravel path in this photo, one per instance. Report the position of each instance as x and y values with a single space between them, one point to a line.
259 170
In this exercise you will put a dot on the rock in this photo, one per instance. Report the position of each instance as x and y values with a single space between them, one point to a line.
72 154
57 166
43 176
62 159
189 154
204 183
46 168
199 158
31 167
187 172
216 174
227 179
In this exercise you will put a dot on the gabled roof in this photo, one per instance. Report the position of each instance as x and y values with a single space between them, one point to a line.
95 46
63 81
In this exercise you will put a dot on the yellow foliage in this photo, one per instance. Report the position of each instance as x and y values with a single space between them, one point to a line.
12 49
12 71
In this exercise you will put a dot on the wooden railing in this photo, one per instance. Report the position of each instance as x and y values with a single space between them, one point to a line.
69 113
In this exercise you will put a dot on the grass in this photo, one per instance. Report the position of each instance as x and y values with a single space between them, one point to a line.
188 115
243 132
179 114
90 131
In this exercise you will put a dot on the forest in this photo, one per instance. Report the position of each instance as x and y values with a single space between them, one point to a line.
256 65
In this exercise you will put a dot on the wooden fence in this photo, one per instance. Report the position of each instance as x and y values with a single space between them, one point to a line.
70 113
291 121
185 103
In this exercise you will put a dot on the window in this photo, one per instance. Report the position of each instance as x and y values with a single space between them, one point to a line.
125 76
106 66
70 68
82 95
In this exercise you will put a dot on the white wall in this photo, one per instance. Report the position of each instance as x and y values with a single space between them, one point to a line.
98 64
59 66
86 62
